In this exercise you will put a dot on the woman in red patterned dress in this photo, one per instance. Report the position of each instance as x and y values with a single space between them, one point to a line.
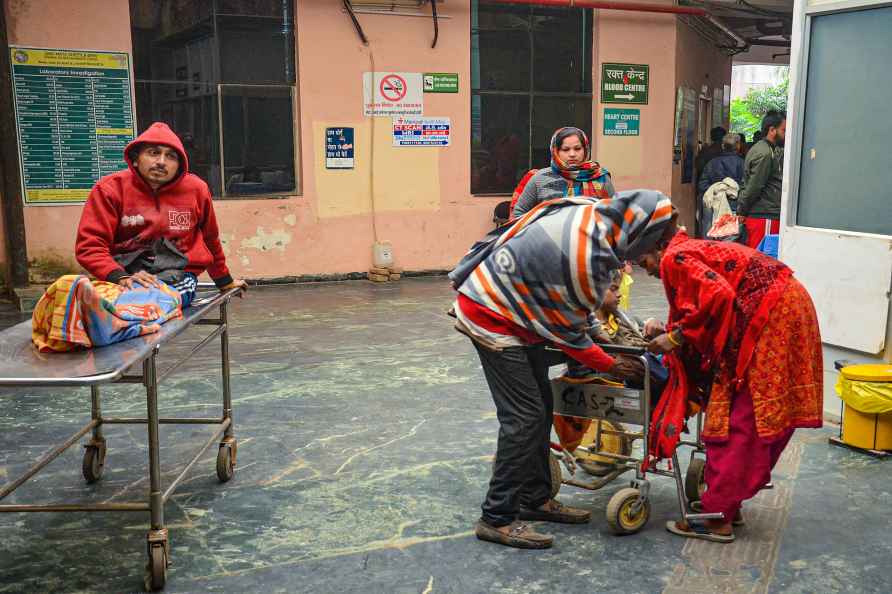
755 330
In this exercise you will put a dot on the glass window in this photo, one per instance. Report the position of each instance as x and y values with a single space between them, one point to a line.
221 73
531 73
844 167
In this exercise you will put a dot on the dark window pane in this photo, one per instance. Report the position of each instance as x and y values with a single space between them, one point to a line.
172 40
562 54
258 140
255 50
500 152
490 15
193 118
504 60
270 8
551 113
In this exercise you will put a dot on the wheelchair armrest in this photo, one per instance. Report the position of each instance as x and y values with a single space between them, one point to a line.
555 353
615 349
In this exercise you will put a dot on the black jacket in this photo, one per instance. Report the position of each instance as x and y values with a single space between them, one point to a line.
727 164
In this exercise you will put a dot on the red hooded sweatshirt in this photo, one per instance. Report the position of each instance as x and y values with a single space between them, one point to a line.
124 214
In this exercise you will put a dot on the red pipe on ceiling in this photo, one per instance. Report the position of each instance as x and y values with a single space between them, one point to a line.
607 5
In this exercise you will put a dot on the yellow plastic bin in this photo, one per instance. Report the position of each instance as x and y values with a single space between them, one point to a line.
866 391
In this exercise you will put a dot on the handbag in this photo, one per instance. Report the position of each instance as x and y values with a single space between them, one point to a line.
728 227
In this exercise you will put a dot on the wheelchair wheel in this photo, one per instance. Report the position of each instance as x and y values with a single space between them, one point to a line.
594 464
694 480
627 512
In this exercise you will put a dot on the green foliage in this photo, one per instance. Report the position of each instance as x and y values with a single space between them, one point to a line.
747 113
742 120
761 101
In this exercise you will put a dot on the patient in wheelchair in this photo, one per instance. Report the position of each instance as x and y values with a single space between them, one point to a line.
610 325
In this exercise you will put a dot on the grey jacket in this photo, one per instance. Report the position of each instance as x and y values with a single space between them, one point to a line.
762 177
546 185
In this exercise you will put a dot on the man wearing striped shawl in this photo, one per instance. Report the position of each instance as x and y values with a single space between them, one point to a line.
534 285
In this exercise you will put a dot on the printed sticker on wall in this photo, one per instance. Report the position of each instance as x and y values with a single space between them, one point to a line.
441 82
421 131
339 148
392 93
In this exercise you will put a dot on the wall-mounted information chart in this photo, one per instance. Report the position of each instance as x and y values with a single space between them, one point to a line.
74 116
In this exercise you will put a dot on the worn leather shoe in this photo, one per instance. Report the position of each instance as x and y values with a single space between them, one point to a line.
555 511
518 535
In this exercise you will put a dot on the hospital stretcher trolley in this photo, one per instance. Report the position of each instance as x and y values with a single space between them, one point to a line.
21 365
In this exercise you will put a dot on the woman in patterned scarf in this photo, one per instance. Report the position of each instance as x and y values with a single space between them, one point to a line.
535 285
754 327
572 173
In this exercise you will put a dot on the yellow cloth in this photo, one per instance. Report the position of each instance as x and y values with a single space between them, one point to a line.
865 397
611 324
625 291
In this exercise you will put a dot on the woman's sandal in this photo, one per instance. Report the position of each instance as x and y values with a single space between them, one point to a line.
697 529
738 520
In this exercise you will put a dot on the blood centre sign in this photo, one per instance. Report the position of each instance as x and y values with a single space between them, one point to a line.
392 93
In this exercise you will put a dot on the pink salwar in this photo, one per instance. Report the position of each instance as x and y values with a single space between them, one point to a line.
738 467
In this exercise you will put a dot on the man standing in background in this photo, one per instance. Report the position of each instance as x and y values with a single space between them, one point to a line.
760 199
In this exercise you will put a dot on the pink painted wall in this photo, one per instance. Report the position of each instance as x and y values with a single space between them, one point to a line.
642 161
422 197
85 24
697 63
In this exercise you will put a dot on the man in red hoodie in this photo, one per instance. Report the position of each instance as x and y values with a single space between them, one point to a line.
153 221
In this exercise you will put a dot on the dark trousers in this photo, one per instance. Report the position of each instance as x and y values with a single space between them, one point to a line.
518 381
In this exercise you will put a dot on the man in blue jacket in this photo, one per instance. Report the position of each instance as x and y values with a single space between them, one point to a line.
728 163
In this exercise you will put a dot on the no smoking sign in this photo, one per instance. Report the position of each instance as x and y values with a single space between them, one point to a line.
393 87
392 93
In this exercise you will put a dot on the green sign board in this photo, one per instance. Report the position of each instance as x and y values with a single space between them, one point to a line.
621 122
624 83
74 116
440 82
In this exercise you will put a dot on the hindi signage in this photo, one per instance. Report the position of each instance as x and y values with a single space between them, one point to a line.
74 116
392 93
421 131
624 83
339 149
440 82
622 122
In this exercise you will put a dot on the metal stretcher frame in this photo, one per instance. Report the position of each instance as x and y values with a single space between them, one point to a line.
110 365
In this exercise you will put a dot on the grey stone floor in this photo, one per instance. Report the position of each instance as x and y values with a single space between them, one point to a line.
366 433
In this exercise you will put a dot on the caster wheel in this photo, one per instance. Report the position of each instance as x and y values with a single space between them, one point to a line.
94 462
694 480
156 568
226 461
556 477
627 513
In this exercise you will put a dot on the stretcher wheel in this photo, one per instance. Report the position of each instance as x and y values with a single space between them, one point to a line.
695 480
94 462
226 461
627 513
156 568
556 476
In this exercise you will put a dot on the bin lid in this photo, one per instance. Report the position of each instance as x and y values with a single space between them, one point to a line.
868 373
